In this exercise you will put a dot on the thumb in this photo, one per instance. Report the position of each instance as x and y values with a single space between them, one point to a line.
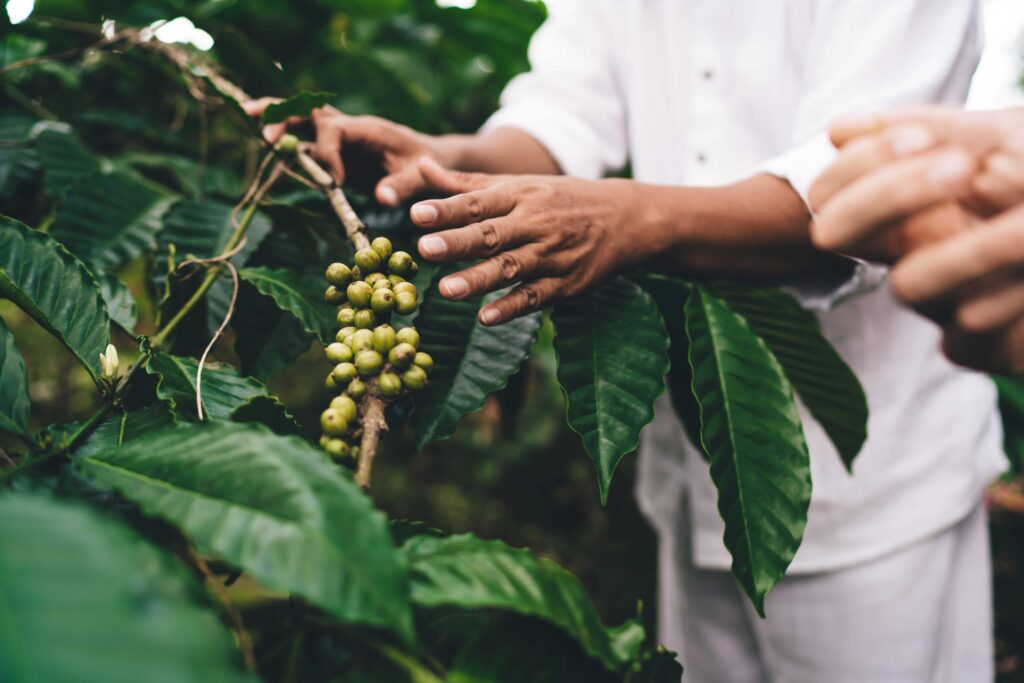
401 186
449 182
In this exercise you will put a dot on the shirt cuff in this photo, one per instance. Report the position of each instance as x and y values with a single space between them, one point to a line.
565 138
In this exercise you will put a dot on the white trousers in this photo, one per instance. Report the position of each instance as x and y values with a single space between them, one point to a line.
922 614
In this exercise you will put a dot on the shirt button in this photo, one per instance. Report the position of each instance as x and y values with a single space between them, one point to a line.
701 158
708 74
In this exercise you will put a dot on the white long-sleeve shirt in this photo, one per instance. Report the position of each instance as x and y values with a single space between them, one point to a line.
708 92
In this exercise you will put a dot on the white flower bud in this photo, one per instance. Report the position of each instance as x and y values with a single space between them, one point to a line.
110 363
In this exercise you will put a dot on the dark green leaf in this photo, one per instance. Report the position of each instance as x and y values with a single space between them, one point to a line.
660 666
274 507
110 219
470 361
85 599
121 428
225 393
18 159
300 105
471 573
612 358
267 339
55 289
828 387
119 300
751 431
234 105
1011 407
14 402
301 294
64 159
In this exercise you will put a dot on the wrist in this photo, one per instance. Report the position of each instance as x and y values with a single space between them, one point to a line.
644 219
452 151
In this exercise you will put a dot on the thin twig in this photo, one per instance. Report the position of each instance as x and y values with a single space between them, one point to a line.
244 637
6 460
216 335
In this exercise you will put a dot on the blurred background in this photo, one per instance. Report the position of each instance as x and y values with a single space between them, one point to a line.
513 470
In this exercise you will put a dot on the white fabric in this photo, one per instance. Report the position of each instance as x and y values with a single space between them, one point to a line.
922 614
707 92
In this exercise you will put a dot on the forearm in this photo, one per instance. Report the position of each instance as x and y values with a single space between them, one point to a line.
502 151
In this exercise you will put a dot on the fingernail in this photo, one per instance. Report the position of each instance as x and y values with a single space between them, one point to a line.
387 195
950 169
424 213
432 246
456 287
489 316
910 140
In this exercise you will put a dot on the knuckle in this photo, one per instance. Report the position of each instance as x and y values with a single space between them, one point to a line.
474 207
510 266
489 236
529 297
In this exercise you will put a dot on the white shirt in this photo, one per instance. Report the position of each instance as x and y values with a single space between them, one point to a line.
708 92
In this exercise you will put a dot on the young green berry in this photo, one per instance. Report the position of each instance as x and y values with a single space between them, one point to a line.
359 294
330 383
400 263
356 389
382 245
362 340
369 363
414 268
384 339
424 361
373 278
395 279
334 296
383 301
390 384
402 355
346 316
368 260
365 319
383 283
405 303
346 406
404 287
356 273
344 333
343 373
338 353
337 449
354 452
414 378
339 275
333 422
324 440
409 335
288 144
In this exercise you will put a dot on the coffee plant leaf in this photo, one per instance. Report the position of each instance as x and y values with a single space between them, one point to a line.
272 506
14 401
86 599
248 122
1011 406
471 573
109 219
121 306
612 359
751 431
121 428
825 383
301 105
55 289
470 361
64 159
18 159
226 394
660 666
301 294
267 339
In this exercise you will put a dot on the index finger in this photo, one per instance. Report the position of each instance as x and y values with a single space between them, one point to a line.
979 132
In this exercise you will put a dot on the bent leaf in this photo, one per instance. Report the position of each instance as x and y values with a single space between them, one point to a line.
272 506
612 358
301 294
120 303
64 159
55 290
14 402
86 599
751 431
300 105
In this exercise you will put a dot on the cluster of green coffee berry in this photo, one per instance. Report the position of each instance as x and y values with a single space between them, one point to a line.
370 358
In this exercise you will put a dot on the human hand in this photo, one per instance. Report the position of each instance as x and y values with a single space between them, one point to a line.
553 237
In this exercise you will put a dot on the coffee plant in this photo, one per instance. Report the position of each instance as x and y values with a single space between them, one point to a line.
190 472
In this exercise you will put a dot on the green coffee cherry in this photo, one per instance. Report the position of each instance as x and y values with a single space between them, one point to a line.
354 452
368 260
288 144
384 339
383 283
324 440
359 293
356 389
414 268
390 384
346 316
356 273
344 333
395 279
383 301
365 319
362 340
334 296
337 449
382 245
338 353
373 278
343 373
409 335
400 263
402 355
346 407
424 361
330 383
369 363
405 303
414 378
333 423
339 275
404 287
